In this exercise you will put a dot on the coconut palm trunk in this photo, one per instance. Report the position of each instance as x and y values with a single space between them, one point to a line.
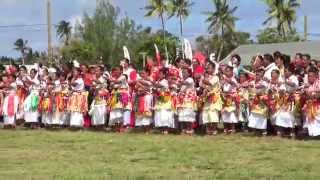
164 36
181 35
221 45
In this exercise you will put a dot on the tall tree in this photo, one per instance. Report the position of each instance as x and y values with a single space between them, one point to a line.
283 12
64 31
180 9
221 20
21 46
158 8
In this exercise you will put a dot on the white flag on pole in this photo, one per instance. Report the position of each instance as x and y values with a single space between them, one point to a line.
126 53
187 49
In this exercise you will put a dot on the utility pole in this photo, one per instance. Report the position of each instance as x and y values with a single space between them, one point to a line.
305 28
50 52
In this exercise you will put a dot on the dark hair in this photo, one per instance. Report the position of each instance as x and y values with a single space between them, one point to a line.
268 57
34 70
313 70
188 61
177 60
101 68
23 67
243 73
299 54
291 68
237 57
277 55
212 64
126 60
275 71
164 71
307 56
260 70
229 67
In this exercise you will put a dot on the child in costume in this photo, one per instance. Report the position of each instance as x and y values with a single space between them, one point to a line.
212 102
63 101
98 109
258 104
163 108
274 87
46 103
243 92
187 105
285 117
120 102
31 103
143 101
22 91
58 104
230 110
10 104
78 102
312 104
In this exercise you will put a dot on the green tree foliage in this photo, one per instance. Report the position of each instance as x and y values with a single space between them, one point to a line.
79 50
283 12
104 34
21 46
180 9
230 40
221 21
64 31
271 35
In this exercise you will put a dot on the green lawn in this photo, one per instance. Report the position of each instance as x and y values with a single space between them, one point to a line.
41 154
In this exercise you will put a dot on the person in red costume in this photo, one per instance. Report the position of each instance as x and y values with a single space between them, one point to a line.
131 75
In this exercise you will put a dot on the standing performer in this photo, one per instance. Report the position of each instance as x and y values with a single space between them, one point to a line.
64 97
46 103
187 105
285 104
163 109
259 104
31 103
143 102
21 91
275 84
120 101
243 92
312 105
58 105
10 104
230 110
131 77
98 109
78 103
211 98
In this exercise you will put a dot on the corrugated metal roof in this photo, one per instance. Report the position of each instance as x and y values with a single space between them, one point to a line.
246 52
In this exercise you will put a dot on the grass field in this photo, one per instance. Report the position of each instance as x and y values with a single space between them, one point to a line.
41 154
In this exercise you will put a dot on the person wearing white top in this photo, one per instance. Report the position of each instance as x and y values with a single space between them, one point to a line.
77 86
31 114
269 66
284 117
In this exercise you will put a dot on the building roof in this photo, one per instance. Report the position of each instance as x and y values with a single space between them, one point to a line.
246 52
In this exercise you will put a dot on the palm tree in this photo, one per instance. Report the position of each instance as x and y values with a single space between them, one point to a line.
21 46
158 8
284 13
64 31
221 21
180 9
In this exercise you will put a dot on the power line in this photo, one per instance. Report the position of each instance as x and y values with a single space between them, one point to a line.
23 25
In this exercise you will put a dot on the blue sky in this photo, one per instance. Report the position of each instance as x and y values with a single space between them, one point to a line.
15 12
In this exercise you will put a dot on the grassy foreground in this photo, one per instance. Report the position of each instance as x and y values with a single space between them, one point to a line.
42 154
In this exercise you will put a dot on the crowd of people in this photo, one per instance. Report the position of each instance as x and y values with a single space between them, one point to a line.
275 95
